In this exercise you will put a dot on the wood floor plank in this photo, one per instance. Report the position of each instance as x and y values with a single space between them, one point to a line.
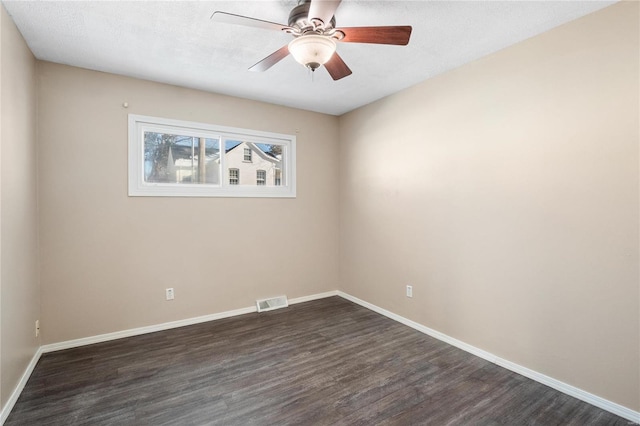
322 362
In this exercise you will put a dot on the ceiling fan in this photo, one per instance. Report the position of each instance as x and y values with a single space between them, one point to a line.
313 25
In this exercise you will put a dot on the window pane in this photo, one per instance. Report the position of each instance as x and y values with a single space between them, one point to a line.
277 177
253 164
172 158
234 176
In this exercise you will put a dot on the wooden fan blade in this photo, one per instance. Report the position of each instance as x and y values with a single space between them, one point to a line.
271 60
378 35
337 68
323 10
230 18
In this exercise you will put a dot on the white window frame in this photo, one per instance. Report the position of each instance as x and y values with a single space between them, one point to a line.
139 124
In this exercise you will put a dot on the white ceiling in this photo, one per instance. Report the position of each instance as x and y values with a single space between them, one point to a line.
175 42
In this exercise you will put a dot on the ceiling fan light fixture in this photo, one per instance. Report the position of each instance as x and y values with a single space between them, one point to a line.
312 50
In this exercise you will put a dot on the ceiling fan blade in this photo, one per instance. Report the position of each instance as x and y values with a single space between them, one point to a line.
378 35
323 10
337 68
230 18
271 60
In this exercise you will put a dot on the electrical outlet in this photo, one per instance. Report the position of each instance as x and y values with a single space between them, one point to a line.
409 291
37 328
169 293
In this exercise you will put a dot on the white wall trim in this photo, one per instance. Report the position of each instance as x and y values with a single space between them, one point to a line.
313 297
168 325
6 410
580 394
570 390
68 344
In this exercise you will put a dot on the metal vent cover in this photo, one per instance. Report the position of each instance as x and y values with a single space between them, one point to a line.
272 303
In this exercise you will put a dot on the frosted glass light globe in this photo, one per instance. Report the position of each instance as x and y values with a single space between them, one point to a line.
312 50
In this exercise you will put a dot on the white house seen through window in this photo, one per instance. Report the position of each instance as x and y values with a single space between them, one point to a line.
177 158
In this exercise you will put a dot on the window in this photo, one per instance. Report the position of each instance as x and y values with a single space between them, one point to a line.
234 176
185 159
261 177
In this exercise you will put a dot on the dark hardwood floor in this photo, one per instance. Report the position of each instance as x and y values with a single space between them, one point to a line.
327 362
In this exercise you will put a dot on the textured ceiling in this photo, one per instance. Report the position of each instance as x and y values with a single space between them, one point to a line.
175 42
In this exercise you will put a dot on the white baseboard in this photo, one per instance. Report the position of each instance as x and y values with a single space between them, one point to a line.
6 410
68 344
595 400
168 325
313 297
570 390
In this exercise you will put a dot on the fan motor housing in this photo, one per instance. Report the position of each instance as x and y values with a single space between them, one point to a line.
299 17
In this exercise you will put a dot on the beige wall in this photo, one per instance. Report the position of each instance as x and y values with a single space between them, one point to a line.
107 257
508 198
19 289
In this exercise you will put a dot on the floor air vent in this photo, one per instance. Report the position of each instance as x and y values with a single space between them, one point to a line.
271 304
